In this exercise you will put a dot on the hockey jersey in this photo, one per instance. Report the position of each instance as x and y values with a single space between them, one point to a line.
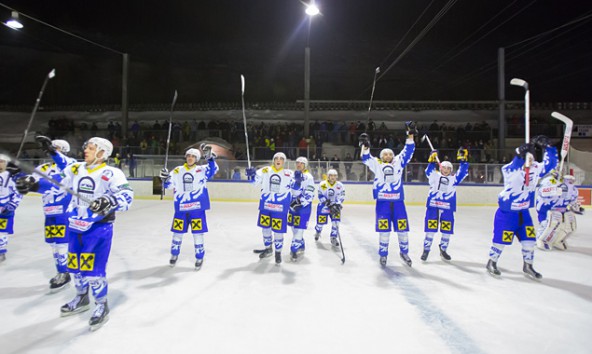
189 184
8 194
276 188
333 193
55 200
442 194
516 194
569 195
305 194
388 177
547 194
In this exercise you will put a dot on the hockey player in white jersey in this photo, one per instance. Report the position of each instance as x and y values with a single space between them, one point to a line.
101 192
388 192
512 217
191 200
276 185
300 207
9 201
331 197
441 203
569 200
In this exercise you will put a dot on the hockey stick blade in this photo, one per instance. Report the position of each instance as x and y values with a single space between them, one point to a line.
519 82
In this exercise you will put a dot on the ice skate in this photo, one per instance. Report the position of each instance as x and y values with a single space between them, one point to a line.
383 261
561 245
278 257
405 258
424 255
445 256
492 268
265 252
2 257
334 242
100 316
317 236
173 260
295 256
59 282
80 303
198 263
529 272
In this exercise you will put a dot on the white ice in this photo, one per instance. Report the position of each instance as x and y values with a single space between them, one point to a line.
239 304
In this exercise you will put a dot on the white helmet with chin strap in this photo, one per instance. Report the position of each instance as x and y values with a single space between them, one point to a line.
303 160
281 155
331 172
62 145
447 164
384 152
194 152
102 144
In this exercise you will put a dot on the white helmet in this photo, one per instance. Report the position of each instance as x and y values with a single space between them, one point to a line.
62 145
446 164
4 158
384 151
331 172
102 145
194 152
569 179
281 155
303 160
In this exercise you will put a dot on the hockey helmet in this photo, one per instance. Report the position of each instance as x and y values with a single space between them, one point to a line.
102 144
62 145
386 151
446 164
280 155
4 158
569 179
332 172
194 152
303 160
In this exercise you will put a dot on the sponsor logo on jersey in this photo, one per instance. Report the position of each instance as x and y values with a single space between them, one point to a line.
189 206
383 195
522 205
80 225
273 207
53 210
107 174
439 204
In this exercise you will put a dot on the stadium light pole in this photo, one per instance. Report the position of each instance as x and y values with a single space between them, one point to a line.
15 23
311 10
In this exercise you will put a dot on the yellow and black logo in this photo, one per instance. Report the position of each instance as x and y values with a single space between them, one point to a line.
72 261
507 236
383 224
297 220
196 224
276 224
402 224
322 219
432 224
446 226
3 224
87 261
530 232
265 220
75 168
178 224
55 231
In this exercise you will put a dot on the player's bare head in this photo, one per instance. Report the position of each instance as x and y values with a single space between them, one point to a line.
446 168
192 156
332 175
61 145
387 155
97 150
279 159
3 162
301 163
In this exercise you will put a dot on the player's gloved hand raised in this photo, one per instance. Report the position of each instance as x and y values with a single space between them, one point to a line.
335 209
524 149
12 168
462 155
295 205
164 174
251 172
103 205
433 156
364 140
45 144
298 178
411 127
207 151
26 184
540 141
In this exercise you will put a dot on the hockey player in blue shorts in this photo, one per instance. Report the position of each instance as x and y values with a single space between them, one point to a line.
300 207
331 197
512 217
441 203
389 194
9 201
191 200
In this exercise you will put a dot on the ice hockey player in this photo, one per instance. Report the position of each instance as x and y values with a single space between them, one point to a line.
572 207
300 208
9 201
331 196
441 203
191 200
101 192
55 203
276 185
389 194
512 218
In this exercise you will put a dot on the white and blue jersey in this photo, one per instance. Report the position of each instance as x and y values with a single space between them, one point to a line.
9 201
276 195
548 194
329 194
305 195
442 194
55 200
388 177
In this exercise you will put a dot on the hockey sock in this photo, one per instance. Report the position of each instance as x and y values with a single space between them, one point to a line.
176 244
81 283
60 256
383 243
496 251
318 228
444 241
403 242
198 241
99 288
427 242
528 251
334 227
3 242
278 241
267 237
298 240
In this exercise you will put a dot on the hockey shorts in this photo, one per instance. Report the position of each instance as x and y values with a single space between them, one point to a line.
277 222
508 224
299 219
194 218
88 252
6 224
55 229
442 217
323 215
391 213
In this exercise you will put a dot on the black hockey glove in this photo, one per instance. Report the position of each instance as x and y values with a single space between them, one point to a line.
12 168
364 140
540 141
207 151
26 184
103 205
335 209
295 205
523 149
164 174
411 127
45 144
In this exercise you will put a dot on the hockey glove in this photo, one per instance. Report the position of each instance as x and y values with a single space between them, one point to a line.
164 174
9 207
364 140
298 178
462 155
524 149
433 156
207 151
576 208
45 144
411 127
12 168
26 184
335 209
103 205
251 172
295 205
540 141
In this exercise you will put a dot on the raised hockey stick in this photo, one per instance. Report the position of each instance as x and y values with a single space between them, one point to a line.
566 137
245 119
340 245
425 137
376 72
168 143
49 76
524 85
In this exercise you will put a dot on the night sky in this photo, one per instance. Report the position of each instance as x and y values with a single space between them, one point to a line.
201 47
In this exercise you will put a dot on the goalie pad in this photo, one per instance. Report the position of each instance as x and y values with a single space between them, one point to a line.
547 230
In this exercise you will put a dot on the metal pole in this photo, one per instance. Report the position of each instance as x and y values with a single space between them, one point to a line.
501 83
306 91
124 96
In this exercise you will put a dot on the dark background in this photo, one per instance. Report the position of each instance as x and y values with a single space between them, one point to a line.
201 47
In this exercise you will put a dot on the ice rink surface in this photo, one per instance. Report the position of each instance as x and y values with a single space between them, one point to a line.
239 304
